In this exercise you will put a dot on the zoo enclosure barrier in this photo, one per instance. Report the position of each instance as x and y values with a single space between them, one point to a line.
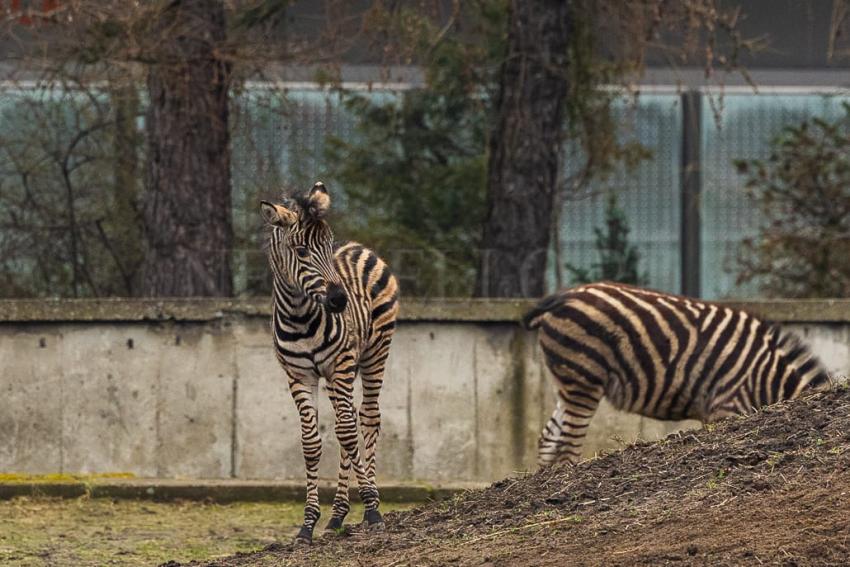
191 389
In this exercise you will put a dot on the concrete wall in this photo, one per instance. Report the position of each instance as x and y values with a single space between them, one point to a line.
192 389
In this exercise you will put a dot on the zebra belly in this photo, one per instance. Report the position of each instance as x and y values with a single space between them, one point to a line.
674 396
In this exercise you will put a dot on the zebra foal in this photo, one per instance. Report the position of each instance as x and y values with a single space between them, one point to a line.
333 317
659 355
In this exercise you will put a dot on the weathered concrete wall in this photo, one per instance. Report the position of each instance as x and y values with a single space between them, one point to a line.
192 389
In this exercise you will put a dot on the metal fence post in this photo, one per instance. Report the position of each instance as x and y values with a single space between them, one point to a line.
691 186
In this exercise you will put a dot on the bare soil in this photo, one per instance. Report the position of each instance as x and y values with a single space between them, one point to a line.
768 489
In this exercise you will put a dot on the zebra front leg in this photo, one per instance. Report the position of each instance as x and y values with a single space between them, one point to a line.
370 421
341 504
347 434
311 445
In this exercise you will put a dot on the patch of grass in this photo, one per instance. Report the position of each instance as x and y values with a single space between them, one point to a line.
17 478
773 460
715 481
96 531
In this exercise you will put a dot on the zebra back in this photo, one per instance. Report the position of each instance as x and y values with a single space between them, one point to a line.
372 286
668 356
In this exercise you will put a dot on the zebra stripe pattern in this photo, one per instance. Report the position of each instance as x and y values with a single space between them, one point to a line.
334 316
661 356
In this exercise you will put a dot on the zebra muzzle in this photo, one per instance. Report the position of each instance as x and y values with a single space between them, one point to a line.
336 299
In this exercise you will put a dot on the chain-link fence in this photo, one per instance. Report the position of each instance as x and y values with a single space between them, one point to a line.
743 127
649 196
731 127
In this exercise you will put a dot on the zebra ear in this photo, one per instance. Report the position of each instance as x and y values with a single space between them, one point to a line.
318 201
277 215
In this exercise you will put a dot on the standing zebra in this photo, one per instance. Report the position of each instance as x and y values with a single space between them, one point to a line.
334 315
659 355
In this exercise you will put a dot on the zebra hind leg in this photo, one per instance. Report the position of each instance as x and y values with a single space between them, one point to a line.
372 366
341 505
578 407
347 433
549 443
563 435
370 426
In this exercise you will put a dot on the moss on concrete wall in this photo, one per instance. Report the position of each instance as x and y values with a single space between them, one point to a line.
444 309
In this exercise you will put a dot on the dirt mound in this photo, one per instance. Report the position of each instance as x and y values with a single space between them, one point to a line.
771 488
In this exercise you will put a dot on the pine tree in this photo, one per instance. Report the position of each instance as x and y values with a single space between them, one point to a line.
618 259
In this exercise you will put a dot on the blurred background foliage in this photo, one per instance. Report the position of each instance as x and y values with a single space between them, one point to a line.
414 173
407 165
619 259
803 192
69 190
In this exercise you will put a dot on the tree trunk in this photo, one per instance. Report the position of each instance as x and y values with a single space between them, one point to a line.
525 150
186 211
122 235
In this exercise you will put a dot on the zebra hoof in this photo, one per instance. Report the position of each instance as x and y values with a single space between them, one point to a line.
335 526
304 537
373 521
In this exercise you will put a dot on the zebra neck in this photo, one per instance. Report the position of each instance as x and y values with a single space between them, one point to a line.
291 305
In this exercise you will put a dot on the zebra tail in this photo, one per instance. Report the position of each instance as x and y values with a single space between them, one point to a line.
531 320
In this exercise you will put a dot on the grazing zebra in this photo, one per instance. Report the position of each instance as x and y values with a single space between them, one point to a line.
659 355
334 316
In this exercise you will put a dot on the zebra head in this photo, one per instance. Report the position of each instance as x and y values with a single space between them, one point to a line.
301 248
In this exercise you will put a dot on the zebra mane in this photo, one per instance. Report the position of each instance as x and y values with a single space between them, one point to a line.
299 203
798 353
292 200
791 345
